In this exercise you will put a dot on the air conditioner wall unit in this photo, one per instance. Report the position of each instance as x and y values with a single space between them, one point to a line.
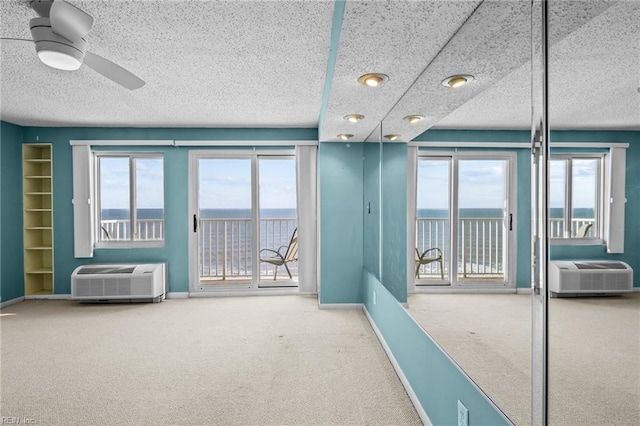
121 282
579 277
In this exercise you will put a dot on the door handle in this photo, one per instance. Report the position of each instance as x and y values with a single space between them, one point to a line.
195 223
510 221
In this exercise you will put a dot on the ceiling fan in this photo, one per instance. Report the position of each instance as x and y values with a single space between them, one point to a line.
58 34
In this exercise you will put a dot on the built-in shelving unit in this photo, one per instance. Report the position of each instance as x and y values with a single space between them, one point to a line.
37 186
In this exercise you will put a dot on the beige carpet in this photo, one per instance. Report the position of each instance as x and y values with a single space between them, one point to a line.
244 361
594 344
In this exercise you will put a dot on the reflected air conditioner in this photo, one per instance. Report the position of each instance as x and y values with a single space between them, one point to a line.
578 277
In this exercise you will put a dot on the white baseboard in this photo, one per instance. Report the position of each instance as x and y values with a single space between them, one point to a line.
48 297
340 305
449 290
11 302
403 379
636 290
523 290
177 295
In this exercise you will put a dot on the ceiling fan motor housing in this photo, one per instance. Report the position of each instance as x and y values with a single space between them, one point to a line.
49 45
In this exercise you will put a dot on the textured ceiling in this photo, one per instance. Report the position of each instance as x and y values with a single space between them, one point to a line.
264 64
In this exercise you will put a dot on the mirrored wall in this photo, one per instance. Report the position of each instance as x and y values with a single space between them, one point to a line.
470 192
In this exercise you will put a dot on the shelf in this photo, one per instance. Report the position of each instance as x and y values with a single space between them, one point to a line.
37 187
39 272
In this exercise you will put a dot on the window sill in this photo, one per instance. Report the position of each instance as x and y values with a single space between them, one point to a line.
576 242
128 244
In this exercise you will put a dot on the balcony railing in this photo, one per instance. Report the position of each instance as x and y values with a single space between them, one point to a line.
557 226
480 244
120 230
226 248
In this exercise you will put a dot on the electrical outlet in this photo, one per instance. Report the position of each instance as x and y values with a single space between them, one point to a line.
463 414
374 298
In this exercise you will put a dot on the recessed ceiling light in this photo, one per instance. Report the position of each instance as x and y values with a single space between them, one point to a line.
344 136
391 137
413 118
354 118
372 79
456 81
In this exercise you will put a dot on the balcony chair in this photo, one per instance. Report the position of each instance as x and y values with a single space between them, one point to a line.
584 230
428 257
277 258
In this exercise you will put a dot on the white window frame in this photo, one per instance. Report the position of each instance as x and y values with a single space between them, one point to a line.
254 283
131 243
511 192
598 228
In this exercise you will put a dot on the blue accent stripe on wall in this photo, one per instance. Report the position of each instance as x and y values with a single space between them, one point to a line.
336 28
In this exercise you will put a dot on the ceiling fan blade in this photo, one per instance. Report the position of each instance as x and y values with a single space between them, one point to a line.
13 40
69 21
112 71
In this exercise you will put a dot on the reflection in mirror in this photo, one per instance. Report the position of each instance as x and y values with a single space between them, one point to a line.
371 200
593 315
468 217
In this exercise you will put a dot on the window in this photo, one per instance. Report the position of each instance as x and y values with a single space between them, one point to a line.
575 196
130 189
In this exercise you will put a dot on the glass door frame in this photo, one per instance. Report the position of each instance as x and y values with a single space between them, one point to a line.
509 261
195 286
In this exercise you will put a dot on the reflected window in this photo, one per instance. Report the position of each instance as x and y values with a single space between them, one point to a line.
575 197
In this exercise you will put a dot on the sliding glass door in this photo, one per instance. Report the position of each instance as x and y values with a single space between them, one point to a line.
464 220
243 221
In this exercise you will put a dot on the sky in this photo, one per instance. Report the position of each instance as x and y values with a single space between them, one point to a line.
226 183
482 183
114 183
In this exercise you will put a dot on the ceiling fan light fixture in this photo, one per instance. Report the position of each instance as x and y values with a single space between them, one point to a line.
391 137
344 136
372 79
354 118
54 50
412 119
59 56
456 81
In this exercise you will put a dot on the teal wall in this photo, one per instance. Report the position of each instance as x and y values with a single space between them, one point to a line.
435 379
394 219
371 234
341 221
11 257
175 250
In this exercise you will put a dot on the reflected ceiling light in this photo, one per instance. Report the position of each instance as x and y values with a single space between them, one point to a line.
344 136
413 118
354 118
372 79
456 81
391 137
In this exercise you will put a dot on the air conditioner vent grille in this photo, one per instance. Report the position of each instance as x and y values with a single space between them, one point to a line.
600 265
93 270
